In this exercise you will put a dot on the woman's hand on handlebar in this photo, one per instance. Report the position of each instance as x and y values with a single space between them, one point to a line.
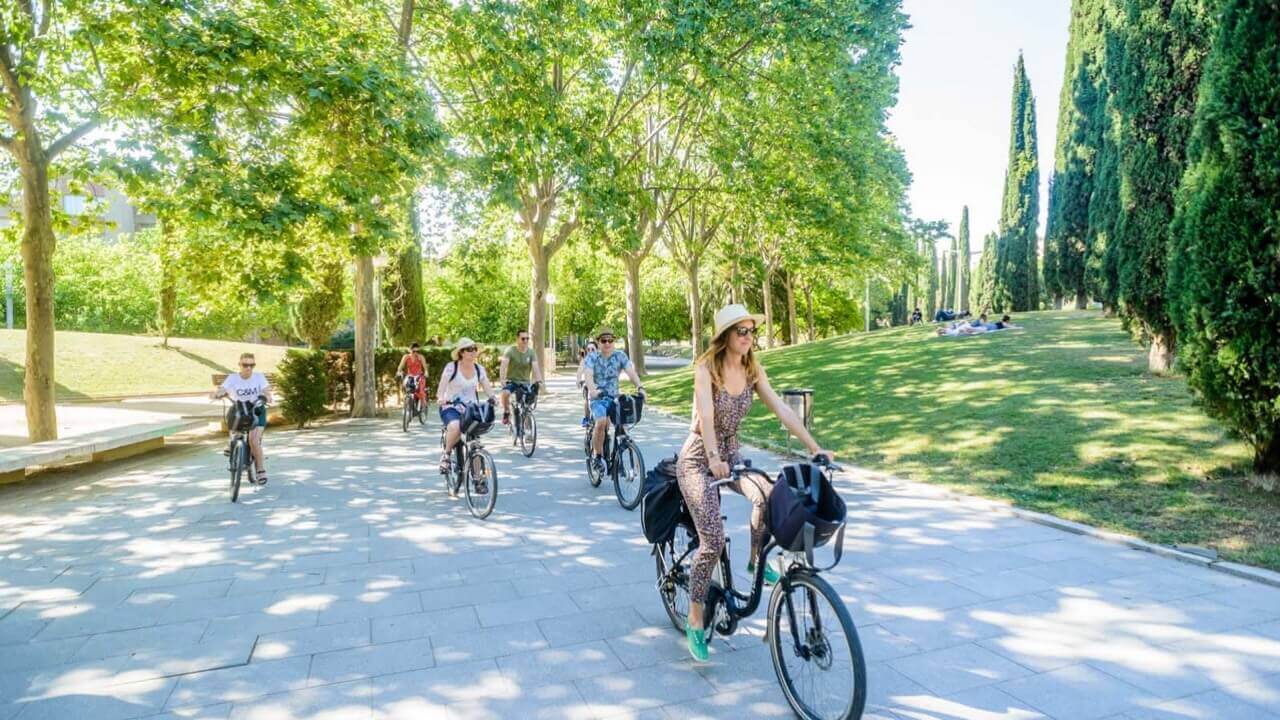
824 457
719 469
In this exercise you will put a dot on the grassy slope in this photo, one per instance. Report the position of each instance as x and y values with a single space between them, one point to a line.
1060 417
92 365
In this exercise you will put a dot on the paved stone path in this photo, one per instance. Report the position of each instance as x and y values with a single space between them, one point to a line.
352 587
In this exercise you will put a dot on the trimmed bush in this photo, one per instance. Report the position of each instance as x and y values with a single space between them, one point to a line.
303 382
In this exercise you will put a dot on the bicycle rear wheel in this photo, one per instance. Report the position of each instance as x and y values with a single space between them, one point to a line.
239 449
815 649
673 579
481 484
528 432
628 475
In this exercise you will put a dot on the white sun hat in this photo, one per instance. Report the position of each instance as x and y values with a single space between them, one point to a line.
465 342
731 315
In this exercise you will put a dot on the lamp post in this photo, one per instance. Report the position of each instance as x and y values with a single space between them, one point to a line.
549 356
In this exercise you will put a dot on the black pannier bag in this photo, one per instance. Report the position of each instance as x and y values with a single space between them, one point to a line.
478 419
630 408
805 511
240 416
662 505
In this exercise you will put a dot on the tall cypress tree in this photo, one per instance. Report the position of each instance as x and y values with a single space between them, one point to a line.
1079 143
1017 273
983 294
1224 265
931 292
962 263
944 280
1154 90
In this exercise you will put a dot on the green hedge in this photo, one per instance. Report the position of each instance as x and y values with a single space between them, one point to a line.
303 382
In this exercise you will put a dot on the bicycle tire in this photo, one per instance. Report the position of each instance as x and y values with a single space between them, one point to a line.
528 433
481 505
809 593
237 466
675 592
406 414
628 475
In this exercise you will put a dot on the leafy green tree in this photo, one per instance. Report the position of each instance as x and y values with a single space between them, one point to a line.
1017 272
1224 262
303 383
1153 85
317 306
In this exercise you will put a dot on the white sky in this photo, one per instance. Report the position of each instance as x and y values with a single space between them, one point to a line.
956 81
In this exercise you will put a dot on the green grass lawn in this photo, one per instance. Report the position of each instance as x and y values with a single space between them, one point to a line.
92 365
1060 417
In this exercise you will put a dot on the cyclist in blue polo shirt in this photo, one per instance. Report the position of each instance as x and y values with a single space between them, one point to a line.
600 373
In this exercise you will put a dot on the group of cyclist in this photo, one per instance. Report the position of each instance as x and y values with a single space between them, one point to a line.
727 377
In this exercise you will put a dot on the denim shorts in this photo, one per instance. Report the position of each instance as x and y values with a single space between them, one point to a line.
450 414
602 408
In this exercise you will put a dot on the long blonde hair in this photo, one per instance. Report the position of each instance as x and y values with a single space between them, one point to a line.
714 359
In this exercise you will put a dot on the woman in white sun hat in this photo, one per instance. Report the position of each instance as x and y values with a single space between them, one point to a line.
724 379
458 384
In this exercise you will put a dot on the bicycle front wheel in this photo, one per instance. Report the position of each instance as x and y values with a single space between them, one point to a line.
239 451
407 414
593 477
628 475
815 649
528 433
481 484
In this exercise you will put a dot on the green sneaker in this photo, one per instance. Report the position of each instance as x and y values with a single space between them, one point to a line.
770 575
697 644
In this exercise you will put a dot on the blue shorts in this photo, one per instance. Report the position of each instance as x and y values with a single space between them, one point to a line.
450 414
602 408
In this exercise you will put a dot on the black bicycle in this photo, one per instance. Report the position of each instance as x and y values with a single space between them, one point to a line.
412 406
815 648
623 461
471 467
524 426
240 422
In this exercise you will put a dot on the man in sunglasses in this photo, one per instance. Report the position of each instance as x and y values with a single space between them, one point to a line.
250 386
519 366
600 372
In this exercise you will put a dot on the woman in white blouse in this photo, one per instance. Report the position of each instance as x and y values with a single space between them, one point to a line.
458 385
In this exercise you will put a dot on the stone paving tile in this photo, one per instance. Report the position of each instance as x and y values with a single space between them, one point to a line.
986 703
1004 583
617 596
652 687
371 660
120 702
563 664
32 656
312 640
256 582
125 642
592 625
208 712
959 668
1212 705
344 701
751 703
1078 692
390 605
486 643
240 684
249 626
537 607
470 595
417 625
934 595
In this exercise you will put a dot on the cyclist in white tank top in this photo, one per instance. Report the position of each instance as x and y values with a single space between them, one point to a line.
458 386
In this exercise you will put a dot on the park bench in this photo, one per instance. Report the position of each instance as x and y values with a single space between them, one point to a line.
104 446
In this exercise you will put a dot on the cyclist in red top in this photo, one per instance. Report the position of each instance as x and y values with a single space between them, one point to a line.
413 365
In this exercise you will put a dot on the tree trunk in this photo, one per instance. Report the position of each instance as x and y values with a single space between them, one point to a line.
1266 464
793 327
38 244
1057 302
1161 355
540 282
1082 300
695 306
735 284
364 401
768 308
807 289
168 285
635 334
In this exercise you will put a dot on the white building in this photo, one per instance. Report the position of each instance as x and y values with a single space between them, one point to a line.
116 215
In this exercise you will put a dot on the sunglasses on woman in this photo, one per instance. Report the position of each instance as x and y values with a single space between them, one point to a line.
469 349
743 330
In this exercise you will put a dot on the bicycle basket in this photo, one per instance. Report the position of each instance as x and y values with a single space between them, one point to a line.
240 416
630 408
478 419
527 394
805 511
662 505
